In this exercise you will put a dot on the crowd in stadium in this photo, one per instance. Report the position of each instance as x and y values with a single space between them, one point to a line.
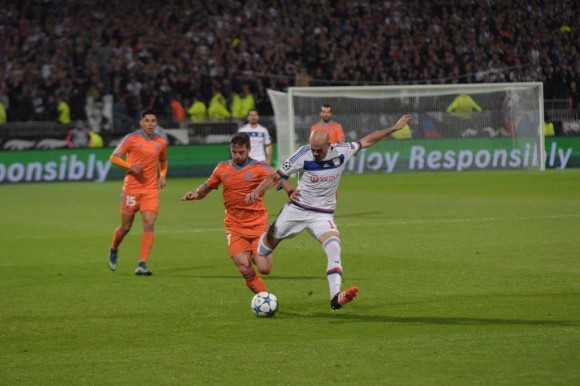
147 54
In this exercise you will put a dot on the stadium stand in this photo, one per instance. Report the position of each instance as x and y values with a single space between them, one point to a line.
142 54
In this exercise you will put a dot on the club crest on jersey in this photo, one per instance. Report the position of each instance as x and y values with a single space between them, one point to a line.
286 165
336 161
248 176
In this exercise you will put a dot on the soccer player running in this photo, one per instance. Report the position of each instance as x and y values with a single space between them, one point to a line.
313 203
146 166
332 128
245 222
260 141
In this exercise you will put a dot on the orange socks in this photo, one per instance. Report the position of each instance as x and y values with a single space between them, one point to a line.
254 281
146 244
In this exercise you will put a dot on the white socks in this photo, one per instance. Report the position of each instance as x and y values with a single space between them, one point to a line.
334 267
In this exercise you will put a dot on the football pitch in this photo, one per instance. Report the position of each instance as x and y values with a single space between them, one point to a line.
465 278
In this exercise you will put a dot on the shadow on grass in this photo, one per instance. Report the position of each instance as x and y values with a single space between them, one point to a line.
432 319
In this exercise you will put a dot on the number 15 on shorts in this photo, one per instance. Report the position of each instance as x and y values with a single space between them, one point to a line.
130 201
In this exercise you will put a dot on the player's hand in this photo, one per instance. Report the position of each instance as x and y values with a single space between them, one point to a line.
295 196
252 197
136 169
162 182
189 196
403 121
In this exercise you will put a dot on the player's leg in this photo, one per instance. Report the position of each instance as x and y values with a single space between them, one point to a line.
127 216
148 218
149 206
288 224
263 258
330 242
325 230
241 251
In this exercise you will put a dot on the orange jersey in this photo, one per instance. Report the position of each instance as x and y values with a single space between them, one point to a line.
145 151
237 183
334 130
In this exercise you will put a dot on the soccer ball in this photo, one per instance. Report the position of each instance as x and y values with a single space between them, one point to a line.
264 304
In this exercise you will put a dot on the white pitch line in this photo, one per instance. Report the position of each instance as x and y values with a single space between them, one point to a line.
342 224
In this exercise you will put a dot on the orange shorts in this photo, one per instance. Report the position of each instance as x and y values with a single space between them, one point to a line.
144 201
238 244
244 239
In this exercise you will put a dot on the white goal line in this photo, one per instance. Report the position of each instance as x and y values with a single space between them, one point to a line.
343 225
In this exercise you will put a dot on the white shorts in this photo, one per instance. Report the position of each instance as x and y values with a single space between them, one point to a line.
292 220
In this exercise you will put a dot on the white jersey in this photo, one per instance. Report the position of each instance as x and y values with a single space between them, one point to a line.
319 180
259 137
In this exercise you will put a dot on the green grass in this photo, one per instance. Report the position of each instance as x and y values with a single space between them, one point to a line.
465 278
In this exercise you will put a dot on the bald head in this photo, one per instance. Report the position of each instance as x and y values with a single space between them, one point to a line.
319 138
319 142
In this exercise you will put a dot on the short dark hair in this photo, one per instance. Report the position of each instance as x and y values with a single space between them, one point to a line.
326 105
148 112
240 139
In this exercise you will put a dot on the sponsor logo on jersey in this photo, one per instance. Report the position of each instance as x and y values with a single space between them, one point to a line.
314 178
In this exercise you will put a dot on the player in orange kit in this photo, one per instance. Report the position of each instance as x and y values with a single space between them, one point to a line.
334 129
245 222
146 166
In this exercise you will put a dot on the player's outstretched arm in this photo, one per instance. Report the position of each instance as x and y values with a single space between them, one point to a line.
199 193
373 138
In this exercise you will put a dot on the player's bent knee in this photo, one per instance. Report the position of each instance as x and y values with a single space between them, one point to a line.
243 261
264 264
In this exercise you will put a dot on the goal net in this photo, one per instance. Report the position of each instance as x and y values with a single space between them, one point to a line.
454 127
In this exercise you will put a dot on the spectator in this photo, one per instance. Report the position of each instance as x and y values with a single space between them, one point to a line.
248 101
177 110
218 107
78 136
63 109
548 126
95 139
573 97
198 110
51 110
463 43
236 106
404 133
462 108
38 101
3 118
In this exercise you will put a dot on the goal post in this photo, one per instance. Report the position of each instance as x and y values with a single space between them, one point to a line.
454 127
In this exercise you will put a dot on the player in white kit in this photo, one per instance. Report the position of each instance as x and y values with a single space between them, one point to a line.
312 205
260 141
